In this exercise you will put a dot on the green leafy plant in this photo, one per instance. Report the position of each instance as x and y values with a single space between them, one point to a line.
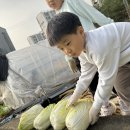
114 9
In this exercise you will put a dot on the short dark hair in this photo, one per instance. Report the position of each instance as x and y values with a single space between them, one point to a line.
60 25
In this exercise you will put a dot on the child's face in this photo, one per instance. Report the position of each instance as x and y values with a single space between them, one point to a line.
72 44
55 4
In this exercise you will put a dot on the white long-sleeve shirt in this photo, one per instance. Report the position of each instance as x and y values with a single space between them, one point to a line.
107 49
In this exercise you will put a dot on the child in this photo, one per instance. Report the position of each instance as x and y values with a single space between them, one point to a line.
88 15
106 50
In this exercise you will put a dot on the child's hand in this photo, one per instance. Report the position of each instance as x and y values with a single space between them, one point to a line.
71 101
94 115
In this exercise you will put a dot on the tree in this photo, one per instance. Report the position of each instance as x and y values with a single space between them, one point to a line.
114 9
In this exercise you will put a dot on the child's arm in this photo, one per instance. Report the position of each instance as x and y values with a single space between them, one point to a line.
87 73
107 70
107 59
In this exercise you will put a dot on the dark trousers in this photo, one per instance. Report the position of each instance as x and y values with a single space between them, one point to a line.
122 83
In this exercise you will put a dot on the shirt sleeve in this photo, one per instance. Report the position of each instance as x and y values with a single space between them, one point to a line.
85 10
107 69
87 73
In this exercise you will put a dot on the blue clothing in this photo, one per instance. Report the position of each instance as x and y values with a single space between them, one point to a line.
86 13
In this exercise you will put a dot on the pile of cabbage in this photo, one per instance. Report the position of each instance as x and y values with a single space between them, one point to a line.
57 116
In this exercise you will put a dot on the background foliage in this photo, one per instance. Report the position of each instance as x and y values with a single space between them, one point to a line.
114 9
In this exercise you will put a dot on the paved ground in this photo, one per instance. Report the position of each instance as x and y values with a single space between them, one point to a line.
104 123
112 123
